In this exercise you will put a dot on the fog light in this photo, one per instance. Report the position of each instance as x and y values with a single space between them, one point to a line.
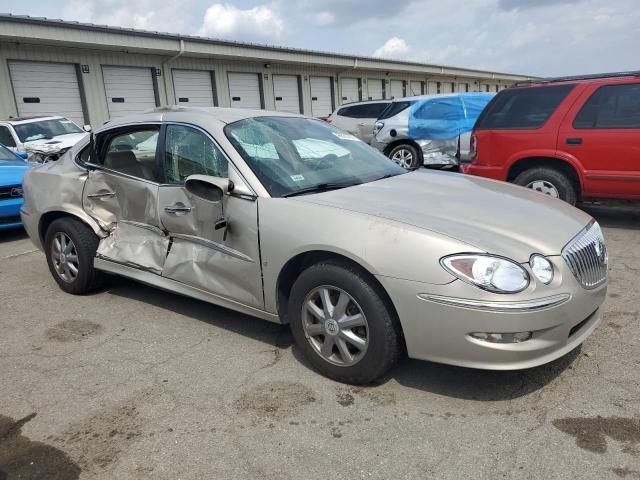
502 337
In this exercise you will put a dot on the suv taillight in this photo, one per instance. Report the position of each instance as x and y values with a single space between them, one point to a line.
473 148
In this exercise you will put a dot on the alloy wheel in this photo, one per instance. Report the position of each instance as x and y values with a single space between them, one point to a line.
65 257
403 157
545 187
335 326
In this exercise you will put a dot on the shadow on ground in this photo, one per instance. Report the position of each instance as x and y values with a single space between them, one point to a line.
614 214
431 377
12 235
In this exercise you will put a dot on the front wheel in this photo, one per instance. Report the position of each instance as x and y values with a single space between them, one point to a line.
405 155
549 181
342 323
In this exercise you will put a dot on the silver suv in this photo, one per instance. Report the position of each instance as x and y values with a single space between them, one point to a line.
430 130
358 118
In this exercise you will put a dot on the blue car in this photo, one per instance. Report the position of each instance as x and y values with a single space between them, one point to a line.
12 170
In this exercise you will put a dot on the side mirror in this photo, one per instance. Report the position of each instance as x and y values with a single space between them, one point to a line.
87 128
212 189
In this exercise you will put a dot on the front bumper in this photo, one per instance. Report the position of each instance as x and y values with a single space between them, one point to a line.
438 330
10 213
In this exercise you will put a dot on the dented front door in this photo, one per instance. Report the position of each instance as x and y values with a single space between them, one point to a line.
205 254
121 194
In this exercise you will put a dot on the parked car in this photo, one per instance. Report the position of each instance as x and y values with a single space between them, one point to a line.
429 130
12 170
572 138
43 138
490 275
358 118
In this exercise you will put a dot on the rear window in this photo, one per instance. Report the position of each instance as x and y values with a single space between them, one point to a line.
393 109
367 110
520 108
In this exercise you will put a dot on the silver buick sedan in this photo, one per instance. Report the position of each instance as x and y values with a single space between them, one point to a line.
291 220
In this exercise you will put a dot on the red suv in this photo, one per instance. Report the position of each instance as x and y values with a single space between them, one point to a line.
572 138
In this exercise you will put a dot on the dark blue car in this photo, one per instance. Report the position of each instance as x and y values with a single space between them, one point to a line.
12 170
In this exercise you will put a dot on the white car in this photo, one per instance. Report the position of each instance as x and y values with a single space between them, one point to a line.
44 138
358 118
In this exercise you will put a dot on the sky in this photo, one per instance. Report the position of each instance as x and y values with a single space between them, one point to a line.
532 37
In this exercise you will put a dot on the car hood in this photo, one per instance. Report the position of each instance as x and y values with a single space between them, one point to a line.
492 216
59 142
11 173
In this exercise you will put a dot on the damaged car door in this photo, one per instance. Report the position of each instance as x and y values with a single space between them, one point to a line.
121 194
214 238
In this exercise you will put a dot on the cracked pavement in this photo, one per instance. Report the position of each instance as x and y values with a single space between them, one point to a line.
133 382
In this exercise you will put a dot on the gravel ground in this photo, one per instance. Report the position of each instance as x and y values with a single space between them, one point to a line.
132 382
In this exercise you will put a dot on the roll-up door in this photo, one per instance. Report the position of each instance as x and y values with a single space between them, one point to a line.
374 89
129 90
462 87
46 89
415 88
321 104
432 88
446 87
286 92
244 90
397 88
193 88
350 91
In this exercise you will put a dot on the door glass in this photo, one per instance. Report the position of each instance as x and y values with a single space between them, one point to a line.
190 152
133 153
5 137
611 106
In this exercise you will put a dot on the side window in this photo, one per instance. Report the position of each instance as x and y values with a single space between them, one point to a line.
190 152
446 110
367 110
133 153
6 138
611 106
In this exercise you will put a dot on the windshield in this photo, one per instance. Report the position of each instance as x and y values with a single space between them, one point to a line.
7 155
45 129
289 155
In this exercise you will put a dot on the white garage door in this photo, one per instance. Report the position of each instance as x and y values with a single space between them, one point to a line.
432 88
244 90
374 89
46 89
397 89
462 87
446 87
193 88
415 88
321 105
129 90
349 87
286 93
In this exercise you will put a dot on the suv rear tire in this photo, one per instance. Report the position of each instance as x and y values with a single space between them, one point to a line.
406 155
548 180
70 247
343 324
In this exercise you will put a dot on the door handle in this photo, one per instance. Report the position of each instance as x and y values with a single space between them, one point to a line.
178 209
103 195
573 141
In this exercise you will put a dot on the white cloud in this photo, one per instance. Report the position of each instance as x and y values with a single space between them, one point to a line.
227 20
394 47
323 19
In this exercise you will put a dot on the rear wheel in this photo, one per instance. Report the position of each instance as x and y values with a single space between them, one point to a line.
406 156
549 181
343 324
70 247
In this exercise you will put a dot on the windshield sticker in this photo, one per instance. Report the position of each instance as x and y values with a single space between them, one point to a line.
297 178
345 136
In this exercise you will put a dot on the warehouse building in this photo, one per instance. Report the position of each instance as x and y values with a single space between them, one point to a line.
91 73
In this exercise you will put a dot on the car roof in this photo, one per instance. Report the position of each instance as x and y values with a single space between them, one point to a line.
194 114
20 120
365 102
596 77
444 95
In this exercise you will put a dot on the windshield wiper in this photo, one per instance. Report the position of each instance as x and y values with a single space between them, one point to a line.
322 187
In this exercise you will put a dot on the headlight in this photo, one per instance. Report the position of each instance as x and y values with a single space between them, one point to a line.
541 268
495 274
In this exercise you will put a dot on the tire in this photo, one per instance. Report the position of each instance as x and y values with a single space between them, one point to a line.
407 156
84 244
548 180
382 332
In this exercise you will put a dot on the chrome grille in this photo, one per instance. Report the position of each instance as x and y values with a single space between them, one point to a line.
587 257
